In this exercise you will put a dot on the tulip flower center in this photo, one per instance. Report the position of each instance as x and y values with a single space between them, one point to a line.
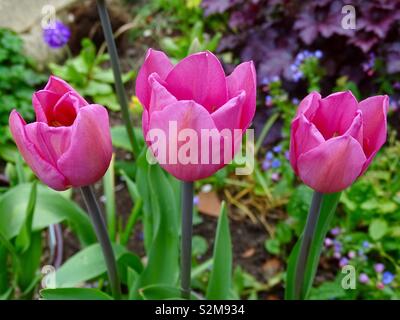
63 115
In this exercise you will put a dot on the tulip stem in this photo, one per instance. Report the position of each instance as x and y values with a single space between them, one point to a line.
119 86
103 238
306 241
186 238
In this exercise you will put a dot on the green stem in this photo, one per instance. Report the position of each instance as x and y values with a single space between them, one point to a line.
306 242
103 238
186 238
119 86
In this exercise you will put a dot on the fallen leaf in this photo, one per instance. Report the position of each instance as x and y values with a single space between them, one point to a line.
209 203
249 253
271 267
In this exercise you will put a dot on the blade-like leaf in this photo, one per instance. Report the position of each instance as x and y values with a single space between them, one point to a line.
24 237
328 208
163 263
51 208
109 192
74 294
162 292
87 264
220 281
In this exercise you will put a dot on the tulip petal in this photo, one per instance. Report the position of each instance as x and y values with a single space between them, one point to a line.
335 114
40 166
199 77
184 115
356 128
90 151
229 115
50 142
244 78
374 110
160 96
304 137
309 105
61 87
332 166
43 102
155 61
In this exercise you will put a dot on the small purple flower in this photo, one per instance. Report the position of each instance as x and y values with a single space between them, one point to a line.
393 104
269 155
396 85
268 101
337 255
363 278
265 81
379 267
351 254
343 262
196 200
335 231
387 277
318 54
276 163
275 176
287 155
295 101
266 165
366 244
277 149
328 242
57 35
275 78
297 76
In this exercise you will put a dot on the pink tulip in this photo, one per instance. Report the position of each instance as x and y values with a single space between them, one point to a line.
69 145
195 94
333 140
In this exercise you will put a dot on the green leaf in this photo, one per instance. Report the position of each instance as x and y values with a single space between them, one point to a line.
328 208
283 232
24 237
199 245
164 250
378 228
108 100
273 246
28 264
109 192
328 291
85 265
8 152
120 138
74 294
162 292
51 208
220 282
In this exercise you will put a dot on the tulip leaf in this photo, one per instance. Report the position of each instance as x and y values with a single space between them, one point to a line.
74 294
109 192
23 239
328 209
220 282
162 292
89 263
51 208
3 271
164 249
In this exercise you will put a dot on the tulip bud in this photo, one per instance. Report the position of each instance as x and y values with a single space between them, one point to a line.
333 140
189 99
69 145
